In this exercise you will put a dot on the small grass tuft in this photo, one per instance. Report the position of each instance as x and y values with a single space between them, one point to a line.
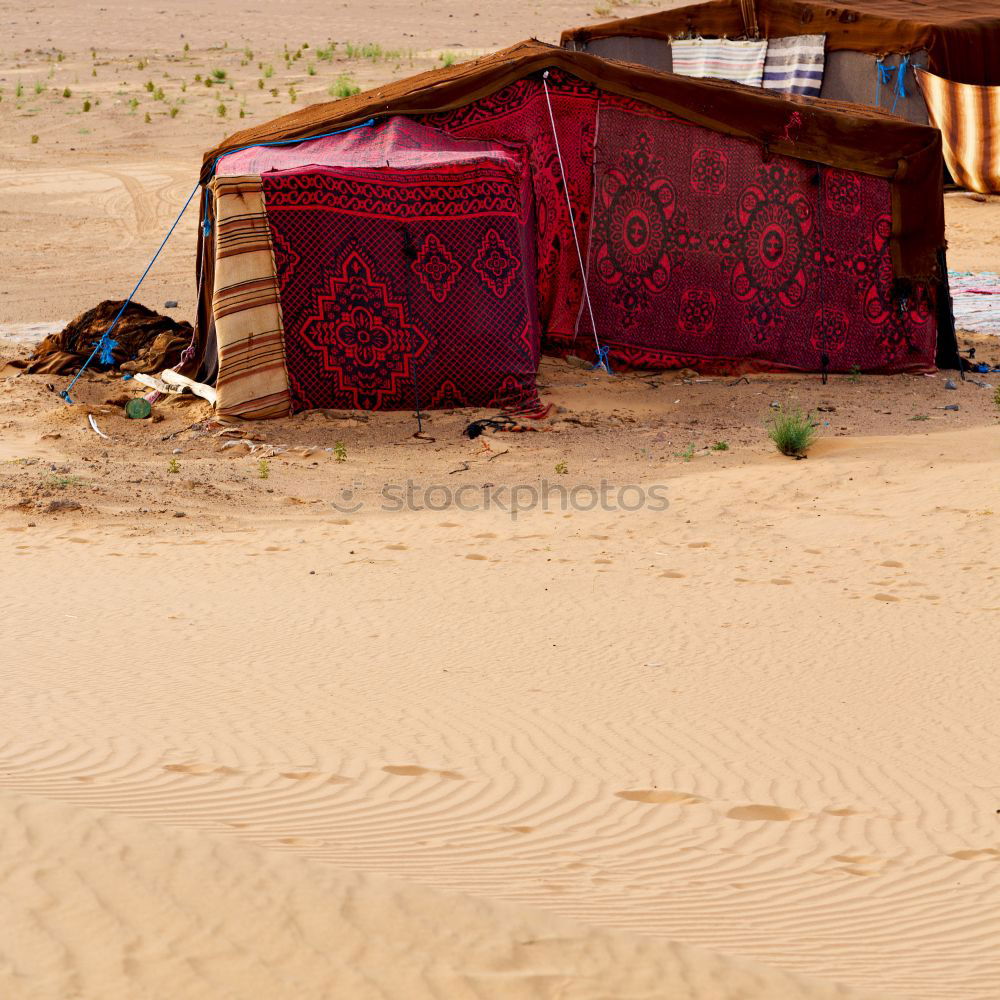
854 376
562 468
687 454
448 59
264 469
173 465
147 119
39 86
720 446
34 140
343 86
219 74
67 92
339 451
220 110
86 105
792 432
19 90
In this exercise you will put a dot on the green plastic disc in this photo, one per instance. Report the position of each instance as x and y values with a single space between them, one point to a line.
138 408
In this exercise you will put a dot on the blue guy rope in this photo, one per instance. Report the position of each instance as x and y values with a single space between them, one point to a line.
900 88
105 345
894 75
883 74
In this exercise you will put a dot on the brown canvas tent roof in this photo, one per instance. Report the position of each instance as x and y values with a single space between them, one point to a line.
844 136
961 37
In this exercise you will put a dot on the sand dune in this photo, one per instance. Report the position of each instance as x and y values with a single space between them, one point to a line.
253 746
758 722
99 906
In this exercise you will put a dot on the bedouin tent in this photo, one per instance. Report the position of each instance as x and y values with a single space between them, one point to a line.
936 62
678 222
386 267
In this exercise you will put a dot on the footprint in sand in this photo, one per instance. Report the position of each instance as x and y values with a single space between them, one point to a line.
333 779
781 582
842 811
602 562
885 597
415 771
486 534
699 545
986 854
892 564
200 769
769 813
397 547
672 574
659 795
475 555
518 829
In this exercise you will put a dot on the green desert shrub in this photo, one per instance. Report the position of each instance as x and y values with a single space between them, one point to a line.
792 432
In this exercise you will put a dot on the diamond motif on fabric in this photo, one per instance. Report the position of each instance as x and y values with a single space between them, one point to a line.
436 268
496 263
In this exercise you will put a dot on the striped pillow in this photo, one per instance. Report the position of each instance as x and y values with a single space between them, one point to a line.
794 65
720 58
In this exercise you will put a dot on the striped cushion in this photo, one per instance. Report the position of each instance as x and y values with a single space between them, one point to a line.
720 58
794 65
969 119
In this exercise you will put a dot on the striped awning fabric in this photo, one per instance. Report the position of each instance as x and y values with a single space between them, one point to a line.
969 119
720 59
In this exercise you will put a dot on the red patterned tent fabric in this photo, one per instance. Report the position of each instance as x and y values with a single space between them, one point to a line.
701 251
405 262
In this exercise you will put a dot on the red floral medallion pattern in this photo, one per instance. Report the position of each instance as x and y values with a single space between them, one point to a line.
361 335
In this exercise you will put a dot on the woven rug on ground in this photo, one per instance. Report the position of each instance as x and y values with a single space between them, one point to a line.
969 119
406 288
975 300
704 254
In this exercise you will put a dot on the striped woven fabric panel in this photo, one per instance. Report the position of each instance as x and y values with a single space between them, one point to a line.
969 119
720 58
794 65
253 379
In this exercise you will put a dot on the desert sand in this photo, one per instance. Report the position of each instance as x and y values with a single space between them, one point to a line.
262 737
